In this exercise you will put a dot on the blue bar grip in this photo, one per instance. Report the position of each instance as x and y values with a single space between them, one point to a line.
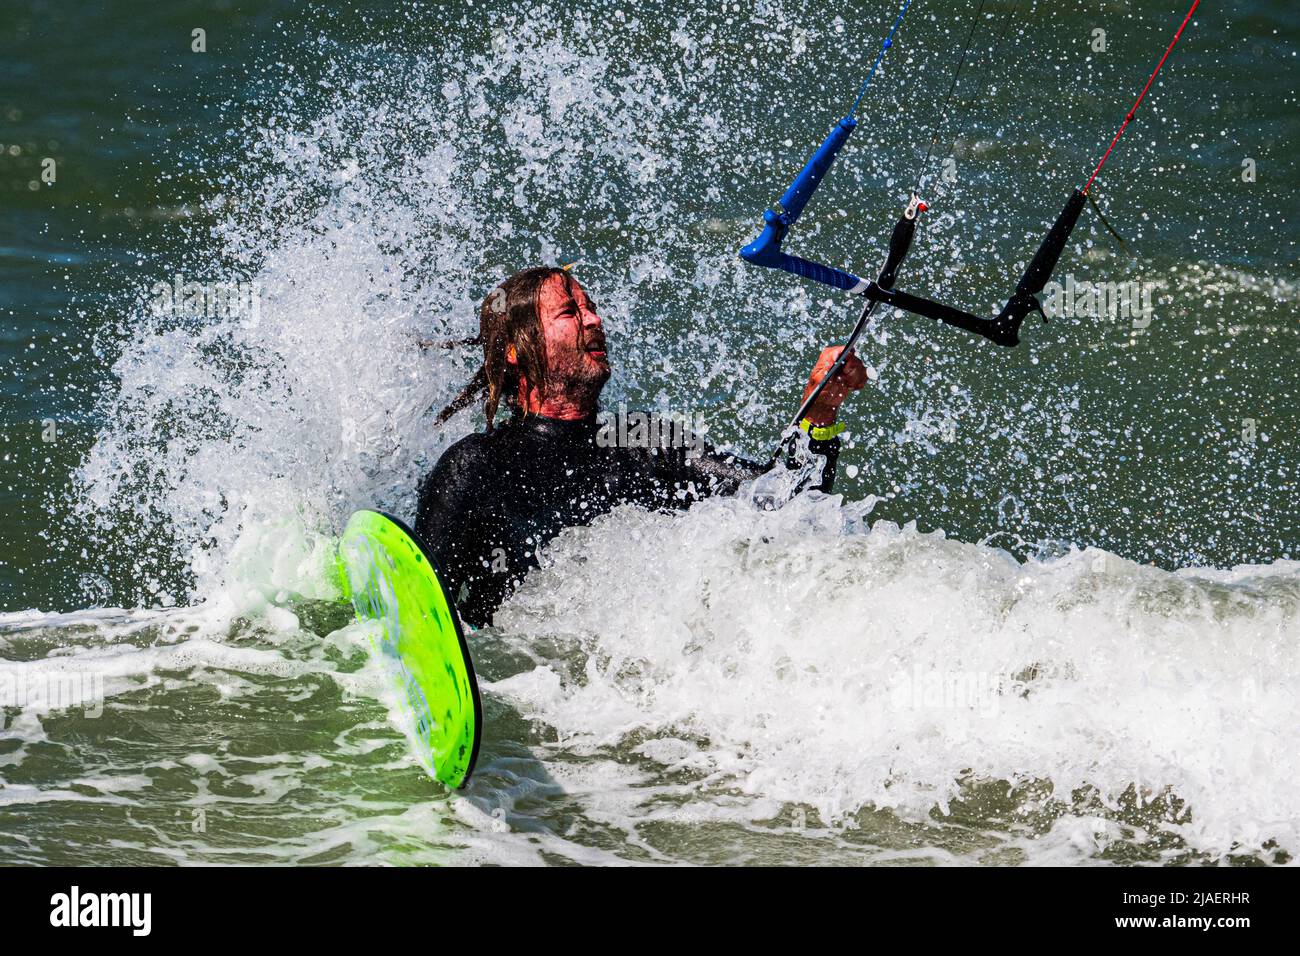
810 177
820 273
766 249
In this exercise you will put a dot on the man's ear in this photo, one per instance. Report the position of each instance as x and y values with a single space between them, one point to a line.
512 357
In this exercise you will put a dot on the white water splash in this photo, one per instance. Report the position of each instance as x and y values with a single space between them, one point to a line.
811 661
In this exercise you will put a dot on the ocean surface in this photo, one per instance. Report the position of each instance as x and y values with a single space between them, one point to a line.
1051 614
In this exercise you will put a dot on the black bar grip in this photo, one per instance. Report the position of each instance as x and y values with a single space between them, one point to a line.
1045 259
1008 321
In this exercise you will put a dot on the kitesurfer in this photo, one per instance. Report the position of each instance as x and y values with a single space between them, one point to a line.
495 498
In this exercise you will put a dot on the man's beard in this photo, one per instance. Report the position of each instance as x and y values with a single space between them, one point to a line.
579 380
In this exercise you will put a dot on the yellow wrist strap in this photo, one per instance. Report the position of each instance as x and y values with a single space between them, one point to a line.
821 432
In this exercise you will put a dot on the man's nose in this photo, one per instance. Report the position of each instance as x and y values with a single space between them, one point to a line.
589 318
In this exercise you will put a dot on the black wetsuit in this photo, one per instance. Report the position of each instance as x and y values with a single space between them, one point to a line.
493 500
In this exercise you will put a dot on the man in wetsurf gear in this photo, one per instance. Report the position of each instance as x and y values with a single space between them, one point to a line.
494 499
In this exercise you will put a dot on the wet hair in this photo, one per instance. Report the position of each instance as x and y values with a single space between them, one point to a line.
508 316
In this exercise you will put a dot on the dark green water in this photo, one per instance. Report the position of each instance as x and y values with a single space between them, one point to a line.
375 168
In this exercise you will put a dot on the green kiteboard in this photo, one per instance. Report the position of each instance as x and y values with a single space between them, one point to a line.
393 581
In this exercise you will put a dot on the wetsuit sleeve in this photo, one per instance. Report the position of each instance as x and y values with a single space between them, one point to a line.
727 472
698 470
719 473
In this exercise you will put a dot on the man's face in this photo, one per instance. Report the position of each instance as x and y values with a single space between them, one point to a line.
576 365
